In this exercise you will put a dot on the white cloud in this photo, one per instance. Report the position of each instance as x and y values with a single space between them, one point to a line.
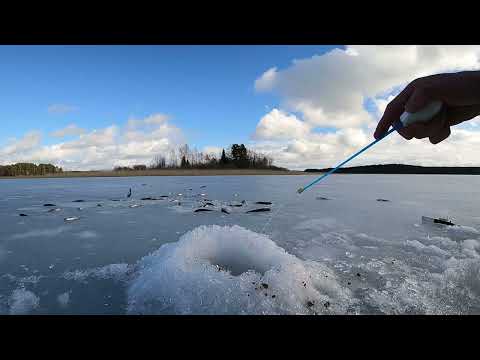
267 80
69 130
27 142
155 119
279 125
213 151
96 138
100 148
330 90
61 109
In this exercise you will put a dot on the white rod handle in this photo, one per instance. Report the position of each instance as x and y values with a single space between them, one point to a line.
424 115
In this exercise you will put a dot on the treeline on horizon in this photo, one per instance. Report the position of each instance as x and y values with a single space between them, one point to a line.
404 169
28 169
236 157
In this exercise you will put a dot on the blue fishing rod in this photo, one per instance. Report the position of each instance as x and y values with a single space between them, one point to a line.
424 115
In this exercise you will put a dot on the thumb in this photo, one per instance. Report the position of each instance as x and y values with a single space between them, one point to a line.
417 101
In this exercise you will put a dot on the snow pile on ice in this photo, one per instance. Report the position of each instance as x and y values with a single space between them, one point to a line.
232 270
63 299
23 302
116 272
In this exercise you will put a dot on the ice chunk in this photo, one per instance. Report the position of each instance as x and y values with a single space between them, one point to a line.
23 302
117 272
64 299
221 270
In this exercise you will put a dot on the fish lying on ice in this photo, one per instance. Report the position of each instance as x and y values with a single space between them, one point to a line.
439 221
259 210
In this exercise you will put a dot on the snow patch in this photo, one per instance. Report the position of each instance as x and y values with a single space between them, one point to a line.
23 302
231 270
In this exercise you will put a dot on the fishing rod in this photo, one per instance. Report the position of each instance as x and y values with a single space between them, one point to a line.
424 115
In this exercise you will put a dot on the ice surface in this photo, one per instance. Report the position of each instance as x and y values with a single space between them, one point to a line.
356 255
3 253
87 234
40 233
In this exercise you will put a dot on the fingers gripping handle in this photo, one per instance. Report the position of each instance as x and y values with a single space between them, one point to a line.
424 115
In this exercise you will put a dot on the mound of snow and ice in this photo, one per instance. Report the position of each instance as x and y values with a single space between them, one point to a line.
63 299
232 270
23 302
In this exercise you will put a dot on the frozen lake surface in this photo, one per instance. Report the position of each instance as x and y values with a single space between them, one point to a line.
344 254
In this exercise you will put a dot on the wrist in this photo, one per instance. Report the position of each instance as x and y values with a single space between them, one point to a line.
472 84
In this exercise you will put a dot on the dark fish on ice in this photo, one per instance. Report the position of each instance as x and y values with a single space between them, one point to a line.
258 210
202 210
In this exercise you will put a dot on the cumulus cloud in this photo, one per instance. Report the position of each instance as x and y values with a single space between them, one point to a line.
69 130
61 109
212 150
279 125
137 142
155 119
329 92
267 80
329 89
27 142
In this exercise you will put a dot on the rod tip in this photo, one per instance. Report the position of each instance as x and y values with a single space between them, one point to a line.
300 190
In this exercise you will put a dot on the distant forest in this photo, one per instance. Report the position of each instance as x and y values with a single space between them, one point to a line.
403 169
27 169
236 157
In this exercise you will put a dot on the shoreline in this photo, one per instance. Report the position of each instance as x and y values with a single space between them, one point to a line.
166 172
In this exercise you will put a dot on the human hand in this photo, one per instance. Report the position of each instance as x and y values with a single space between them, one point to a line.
459 93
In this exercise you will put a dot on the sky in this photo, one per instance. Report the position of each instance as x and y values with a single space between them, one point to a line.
95 107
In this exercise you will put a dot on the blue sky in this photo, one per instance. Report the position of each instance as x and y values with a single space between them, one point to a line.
207 90
307 113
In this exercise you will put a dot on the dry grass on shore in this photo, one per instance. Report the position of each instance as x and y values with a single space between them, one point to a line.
166 172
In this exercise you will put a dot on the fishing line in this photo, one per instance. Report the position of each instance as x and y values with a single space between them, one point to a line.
424 115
